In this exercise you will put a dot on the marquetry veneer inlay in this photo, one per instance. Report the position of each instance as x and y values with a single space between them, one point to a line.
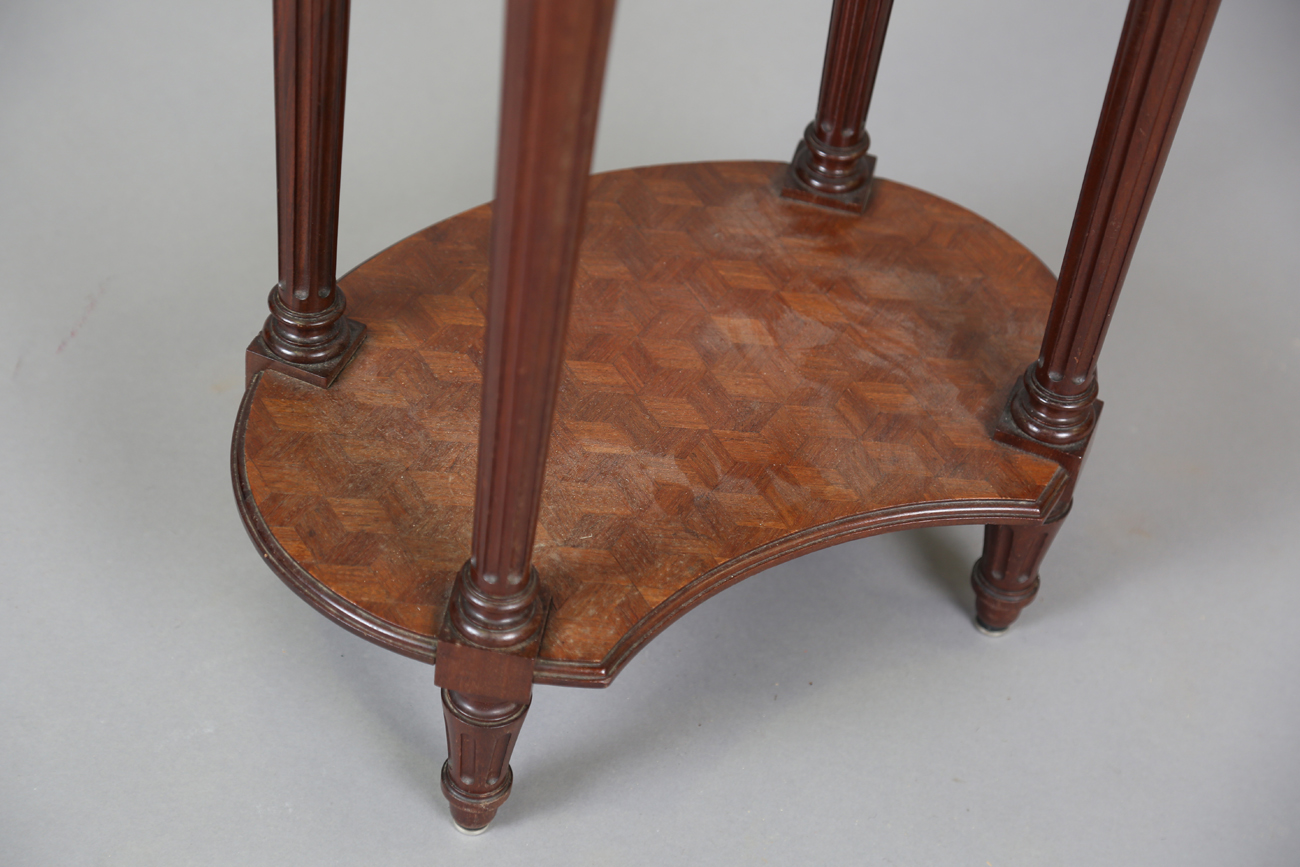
746 378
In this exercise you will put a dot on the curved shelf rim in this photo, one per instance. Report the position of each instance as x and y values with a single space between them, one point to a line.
347 614
601 674
419 643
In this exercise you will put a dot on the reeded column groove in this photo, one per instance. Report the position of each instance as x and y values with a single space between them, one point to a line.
307 334
1054 408
831 165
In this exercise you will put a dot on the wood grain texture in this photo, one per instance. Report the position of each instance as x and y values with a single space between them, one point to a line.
746 379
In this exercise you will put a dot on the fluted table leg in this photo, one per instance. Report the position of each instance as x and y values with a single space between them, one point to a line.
307 334
554 66
1054 407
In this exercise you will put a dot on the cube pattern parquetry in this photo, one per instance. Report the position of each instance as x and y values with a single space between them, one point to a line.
738 368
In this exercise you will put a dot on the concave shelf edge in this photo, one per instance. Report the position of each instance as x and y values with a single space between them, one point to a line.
990 275
598 675
931 514
346 614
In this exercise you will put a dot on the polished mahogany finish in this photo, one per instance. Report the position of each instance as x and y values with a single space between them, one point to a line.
715 375
481 735
1054 407
1005 579
554 68
307 334
1159 51
746 378
831 165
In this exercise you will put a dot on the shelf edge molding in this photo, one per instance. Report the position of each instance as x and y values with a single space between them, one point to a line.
592 674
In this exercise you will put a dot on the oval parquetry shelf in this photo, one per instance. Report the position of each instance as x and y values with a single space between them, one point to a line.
746 379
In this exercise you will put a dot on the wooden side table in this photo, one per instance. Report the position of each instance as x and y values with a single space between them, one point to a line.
575 413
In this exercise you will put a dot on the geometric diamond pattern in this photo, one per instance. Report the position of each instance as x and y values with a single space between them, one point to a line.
745 377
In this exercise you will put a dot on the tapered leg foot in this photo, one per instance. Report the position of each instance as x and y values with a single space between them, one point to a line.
1006 577
476 777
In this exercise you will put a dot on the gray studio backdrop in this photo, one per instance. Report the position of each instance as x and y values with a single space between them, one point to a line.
165 700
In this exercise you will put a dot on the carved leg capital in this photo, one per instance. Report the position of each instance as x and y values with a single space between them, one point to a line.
313 347
837 177
831 166
1051 418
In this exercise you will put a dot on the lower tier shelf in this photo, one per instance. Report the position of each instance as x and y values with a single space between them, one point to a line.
746 379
